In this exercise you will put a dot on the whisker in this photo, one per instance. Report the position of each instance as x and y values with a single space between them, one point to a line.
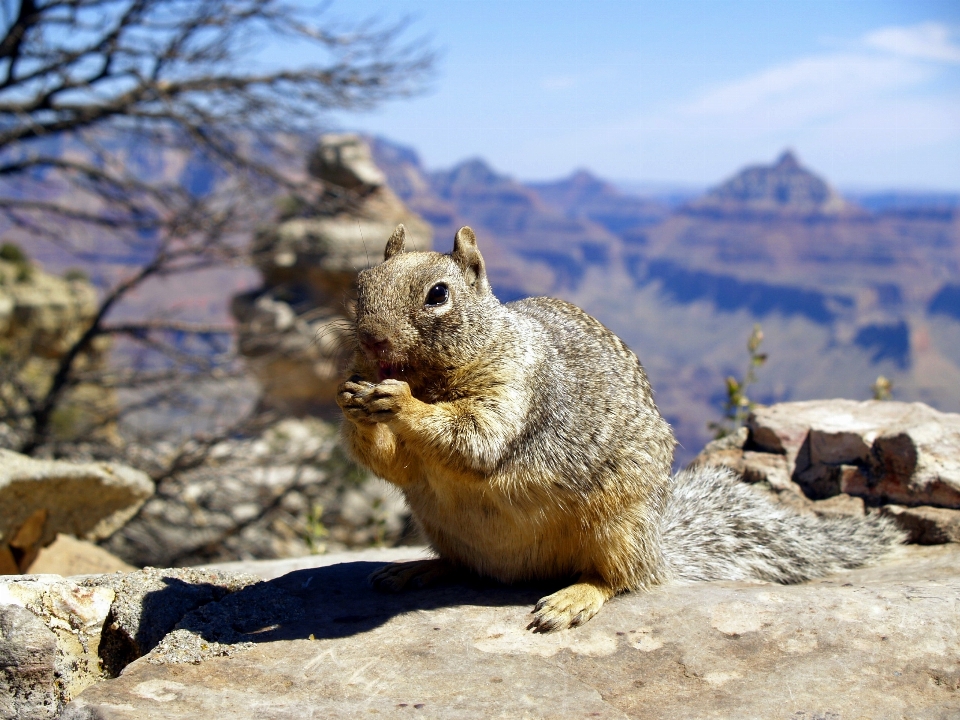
363 242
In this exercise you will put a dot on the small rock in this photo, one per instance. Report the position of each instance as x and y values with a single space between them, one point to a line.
68 556
41 498
926 525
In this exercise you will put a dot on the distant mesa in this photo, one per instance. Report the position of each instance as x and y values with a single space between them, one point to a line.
784 189
580 186
583 195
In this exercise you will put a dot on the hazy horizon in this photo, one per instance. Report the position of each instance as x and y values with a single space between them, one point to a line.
654 187
684 93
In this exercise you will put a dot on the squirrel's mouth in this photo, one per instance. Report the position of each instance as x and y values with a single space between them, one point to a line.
387 371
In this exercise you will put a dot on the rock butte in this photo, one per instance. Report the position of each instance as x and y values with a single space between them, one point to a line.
293 329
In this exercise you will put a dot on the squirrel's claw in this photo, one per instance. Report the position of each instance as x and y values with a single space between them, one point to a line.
569 607
363 401
351 399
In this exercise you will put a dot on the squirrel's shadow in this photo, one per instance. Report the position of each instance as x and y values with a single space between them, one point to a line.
335 601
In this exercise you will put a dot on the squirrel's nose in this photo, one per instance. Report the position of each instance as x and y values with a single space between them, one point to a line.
374 344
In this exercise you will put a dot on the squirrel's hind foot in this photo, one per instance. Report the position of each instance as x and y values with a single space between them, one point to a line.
400 576
570 607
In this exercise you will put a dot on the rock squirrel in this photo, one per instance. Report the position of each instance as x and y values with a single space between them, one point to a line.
528 445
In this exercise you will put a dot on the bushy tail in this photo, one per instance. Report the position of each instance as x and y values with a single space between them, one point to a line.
718 528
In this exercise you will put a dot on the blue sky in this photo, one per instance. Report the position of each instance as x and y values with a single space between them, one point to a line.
684 92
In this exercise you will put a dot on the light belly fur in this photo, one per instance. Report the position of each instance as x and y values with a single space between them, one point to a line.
485 530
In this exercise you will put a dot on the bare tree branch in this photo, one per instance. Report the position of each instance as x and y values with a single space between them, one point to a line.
103 103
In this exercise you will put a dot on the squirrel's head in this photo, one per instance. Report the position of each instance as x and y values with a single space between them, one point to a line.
424 312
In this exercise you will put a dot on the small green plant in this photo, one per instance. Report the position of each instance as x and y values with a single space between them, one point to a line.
75 274
292 206
12 253
316 531
882 388
738 405
379 520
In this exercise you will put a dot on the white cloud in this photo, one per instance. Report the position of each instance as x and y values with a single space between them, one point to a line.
881 108
927 41
561 82
791 94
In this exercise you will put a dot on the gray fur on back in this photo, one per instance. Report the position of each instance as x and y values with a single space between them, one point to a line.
717 528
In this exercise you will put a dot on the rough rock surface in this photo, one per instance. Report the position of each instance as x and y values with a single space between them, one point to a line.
843 456
149 604
40 498
64 659
41 316
906 453
289 492
28 653
59 636
881 642
293 330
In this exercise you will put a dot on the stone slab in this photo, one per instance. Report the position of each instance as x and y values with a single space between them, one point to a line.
67 556
882 642
87 500
270 569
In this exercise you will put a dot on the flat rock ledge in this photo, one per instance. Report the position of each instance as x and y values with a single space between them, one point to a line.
881 642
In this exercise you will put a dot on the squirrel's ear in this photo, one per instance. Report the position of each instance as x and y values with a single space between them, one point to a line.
467 256
395 243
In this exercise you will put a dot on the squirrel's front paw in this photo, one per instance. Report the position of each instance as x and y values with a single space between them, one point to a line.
352 397
569 607
387 399
362 401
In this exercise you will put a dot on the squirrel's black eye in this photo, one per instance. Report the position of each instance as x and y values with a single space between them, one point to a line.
438 294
